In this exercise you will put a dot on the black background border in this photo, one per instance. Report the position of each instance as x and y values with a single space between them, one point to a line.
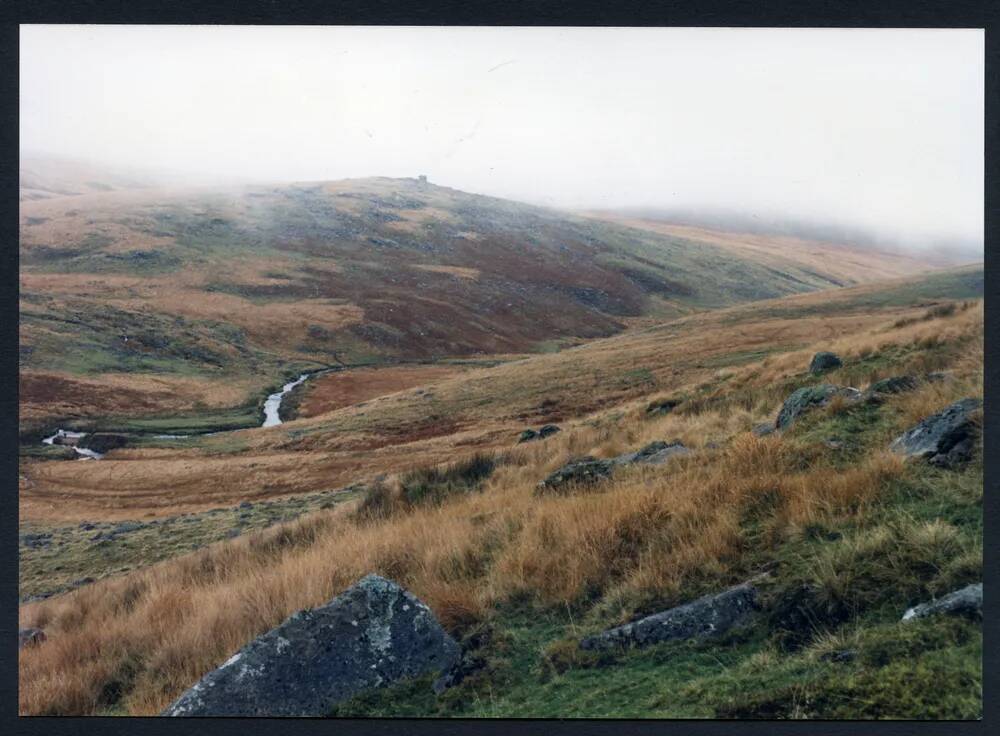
718 13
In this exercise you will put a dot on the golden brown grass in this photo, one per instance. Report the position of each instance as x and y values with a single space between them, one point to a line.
646 533
486 408
851 264
139 640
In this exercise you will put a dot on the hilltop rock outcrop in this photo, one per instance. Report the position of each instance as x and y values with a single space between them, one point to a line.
708 616
823 362
945 439
967 601
374 634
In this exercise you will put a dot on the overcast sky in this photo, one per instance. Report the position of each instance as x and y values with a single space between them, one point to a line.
881 129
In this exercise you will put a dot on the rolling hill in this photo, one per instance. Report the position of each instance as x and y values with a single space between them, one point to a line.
168 295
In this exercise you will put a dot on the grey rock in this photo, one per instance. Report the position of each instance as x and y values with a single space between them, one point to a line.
708 616
588 470
36 540
655 453
762 430
372 635
945 439
30 637
876 392
808 398
583 471
823 362
967 601
529 435
246 505
939 377
663 406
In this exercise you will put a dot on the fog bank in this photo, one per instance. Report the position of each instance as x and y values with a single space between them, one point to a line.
876 131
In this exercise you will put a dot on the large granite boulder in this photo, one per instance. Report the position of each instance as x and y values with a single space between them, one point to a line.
708 616
823 362
372 635
808 398
965 602
945 439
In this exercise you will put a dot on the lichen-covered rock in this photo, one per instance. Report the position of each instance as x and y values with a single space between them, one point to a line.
945 439
889 386
808 398
762 430
372 635
30 637
583 471
965 602
588 470
527 436
655 453
708 616
823 362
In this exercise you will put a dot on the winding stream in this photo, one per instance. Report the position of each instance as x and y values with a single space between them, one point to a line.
273 403
271 419
84 453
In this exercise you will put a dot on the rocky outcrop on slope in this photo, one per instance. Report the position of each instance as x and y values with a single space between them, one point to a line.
965 602
708 616
808 398
374 634
945 439
589 470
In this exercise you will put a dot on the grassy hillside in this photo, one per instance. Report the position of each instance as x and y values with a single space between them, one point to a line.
204 288
480 408
519 578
